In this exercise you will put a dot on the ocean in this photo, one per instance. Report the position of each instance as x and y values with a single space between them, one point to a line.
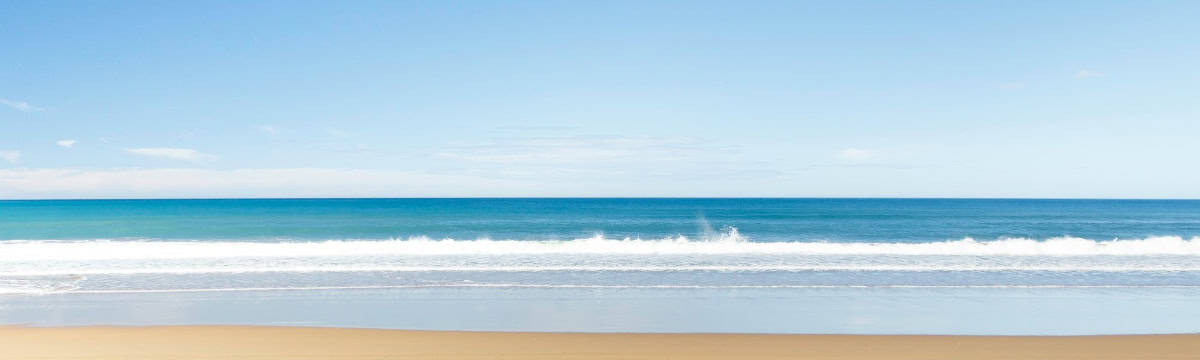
881 266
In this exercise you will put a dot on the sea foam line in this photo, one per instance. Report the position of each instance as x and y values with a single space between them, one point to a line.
574 286
729 243
632 268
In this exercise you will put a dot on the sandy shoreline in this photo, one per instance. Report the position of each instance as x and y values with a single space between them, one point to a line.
251 342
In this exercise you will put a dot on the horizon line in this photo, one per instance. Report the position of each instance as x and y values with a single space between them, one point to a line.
608 197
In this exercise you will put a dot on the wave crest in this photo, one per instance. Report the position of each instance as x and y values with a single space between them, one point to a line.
729 242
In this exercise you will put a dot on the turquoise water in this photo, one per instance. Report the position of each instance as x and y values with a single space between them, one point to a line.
862 220
961 266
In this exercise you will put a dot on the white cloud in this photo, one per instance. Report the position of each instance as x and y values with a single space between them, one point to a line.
173 154
66 143
10 156
856 155
216 183
267 129
34 183
48 183
1086 74
19 105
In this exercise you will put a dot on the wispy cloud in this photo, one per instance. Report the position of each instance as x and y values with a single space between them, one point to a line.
576 149
547 128
209 183
856 155
268 129
10 156
19 105
1087 74
173 154
337 133
68 143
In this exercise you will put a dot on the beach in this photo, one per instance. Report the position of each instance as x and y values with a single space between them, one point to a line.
573 180
252 342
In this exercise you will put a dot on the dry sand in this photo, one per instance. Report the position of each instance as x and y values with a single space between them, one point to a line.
251 342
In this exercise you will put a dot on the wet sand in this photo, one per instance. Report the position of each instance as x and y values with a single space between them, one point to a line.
255 342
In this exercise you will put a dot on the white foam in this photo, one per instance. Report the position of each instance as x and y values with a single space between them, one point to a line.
190 269
9 285
728 243
7 291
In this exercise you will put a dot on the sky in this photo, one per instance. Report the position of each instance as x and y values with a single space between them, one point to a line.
1058 99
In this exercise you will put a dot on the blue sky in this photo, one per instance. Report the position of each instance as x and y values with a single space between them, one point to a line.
689 98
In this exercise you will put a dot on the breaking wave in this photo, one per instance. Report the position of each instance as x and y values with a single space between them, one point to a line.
729 242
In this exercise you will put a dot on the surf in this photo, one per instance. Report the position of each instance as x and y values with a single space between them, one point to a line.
728 242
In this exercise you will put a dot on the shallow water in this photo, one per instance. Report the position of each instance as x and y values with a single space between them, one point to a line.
981 311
